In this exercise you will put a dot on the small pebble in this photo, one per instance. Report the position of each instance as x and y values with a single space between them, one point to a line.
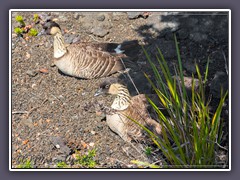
76 15
91 144
57 146
100 17
32 73
34 85
93 133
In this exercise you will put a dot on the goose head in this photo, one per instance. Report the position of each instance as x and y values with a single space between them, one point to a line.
50 27
109 86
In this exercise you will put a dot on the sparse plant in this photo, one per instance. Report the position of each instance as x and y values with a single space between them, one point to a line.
148 151
62 164
35 18
18 31
142 164
33 32
87 160
20 20
191 134
26 29
27 164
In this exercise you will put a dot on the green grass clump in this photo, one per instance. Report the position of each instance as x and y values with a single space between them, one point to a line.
35 18
20 20
87 160
191 134
26 29
33 32
18 31
148 151
62 164
27 164
141 164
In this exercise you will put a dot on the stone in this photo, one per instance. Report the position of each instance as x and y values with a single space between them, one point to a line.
100 31
101 17
32 73
76 15
134 15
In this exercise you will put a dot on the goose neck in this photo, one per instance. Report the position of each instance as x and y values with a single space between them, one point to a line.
122 99
59 46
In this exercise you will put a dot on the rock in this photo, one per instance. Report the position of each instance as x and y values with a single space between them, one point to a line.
76 39
44 17
59 143
157 24
219 82
101 17
32 73
76 15
71 38
134 15
100 31
198 37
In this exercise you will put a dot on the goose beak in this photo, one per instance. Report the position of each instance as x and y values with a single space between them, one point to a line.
98 92
43 32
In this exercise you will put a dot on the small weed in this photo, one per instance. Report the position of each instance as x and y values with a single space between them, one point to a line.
87 160
35 18
25 164
26 29
148 151
18 31
20 20
33 32
62 164
141 164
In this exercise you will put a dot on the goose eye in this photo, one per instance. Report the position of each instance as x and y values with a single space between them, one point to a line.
107 86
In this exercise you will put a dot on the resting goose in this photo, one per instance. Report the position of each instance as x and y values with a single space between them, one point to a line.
125 106
83 60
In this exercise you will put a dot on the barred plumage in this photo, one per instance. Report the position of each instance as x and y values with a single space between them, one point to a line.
125 106
83 60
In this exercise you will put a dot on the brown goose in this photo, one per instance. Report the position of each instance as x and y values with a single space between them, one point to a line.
83 60
124 106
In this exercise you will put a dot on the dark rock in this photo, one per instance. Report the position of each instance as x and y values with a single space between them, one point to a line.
101 17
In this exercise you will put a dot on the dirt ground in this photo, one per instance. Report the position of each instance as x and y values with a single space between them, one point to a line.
49 108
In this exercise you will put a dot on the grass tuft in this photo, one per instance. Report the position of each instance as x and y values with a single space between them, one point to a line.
190 131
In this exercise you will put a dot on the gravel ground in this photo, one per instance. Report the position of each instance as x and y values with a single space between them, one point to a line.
49 117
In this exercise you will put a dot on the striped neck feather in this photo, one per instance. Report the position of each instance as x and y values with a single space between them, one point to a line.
122 100
58 45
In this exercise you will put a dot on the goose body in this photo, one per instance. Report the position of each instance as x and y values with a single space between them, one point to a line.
83 60
125 106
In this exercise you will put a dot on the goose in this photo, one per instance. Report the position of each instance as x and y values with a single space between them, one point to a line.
85 60
124 106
